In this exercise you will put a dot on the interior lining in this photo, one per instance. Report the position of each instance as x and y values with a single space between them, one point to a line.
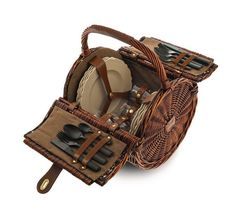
143 75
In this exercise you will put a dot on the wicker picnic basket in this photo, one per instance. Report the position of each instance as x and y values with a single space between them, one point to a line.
169 111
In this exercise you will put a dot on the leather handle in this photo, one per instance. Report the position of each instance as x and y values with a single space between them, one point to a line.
47 181
131 41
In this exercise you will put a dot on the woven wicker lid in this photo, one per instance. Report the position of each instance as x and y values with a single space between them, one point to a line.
166 124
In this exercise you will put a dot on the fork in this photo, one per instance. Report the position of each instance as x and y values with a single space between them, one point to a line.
97 157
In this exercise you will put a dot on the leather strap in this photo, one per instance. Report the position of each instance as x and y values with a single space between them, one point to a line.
115 95
179 57
85 145
129 40
101 68
47 181
94 150
187 61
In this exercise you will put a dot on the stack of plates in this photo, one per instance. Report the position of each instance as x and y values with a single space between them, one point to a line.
92 95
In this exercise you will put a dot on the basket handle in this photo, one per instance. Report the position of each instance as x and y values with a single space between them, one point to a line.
131 41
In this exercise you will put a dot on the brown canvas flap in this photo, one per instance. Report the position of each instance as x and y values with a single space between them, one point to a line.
172 67
61 114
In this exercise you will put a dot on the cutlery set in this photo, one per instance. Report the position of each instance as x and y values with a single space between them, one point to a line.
169 53
73 137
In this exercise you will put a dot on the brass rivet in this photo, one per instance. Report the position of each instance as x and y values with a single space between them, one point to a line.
99 132
44 184
109 137
114 125
123 118
110 94
131 111
138 95
82 167
74 161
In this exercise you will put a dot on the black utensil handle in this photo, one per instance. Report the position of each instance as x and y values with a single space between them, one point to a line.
197 59
91 164
106 151
193 65
98 158
201 61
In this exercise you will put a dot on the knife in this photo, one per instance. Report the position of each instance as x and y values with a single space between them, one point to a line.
176 49
68 150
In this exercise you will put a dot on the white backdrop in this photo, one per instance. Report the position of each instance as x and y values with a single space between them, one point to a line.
39 41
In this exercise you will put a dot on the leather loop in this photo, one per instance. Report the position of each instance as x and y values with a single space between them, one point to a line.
94 150
129 40
47 181
85 145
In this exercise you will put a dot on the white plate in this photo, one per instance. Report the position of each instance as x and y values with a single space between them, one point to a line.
92 93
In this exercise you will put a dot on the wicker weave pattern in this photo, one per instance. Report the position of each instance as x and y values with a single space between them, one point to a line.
177 104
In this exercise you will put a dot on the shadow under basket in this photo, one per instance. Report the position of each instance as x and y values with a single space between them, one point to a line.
170 110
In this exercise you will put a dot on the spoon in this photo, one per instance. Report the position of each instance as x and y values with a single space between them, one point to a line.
85 128
73 132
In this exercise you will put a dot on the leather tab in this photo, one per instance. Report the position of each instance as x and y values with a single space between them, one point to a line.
47 181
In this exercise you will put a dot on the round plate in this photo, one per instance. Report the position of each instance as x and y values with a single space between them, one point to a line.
81 83
92 92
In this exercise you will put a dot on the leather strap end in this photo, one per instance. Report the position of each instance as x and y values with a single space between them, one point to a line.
47 181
